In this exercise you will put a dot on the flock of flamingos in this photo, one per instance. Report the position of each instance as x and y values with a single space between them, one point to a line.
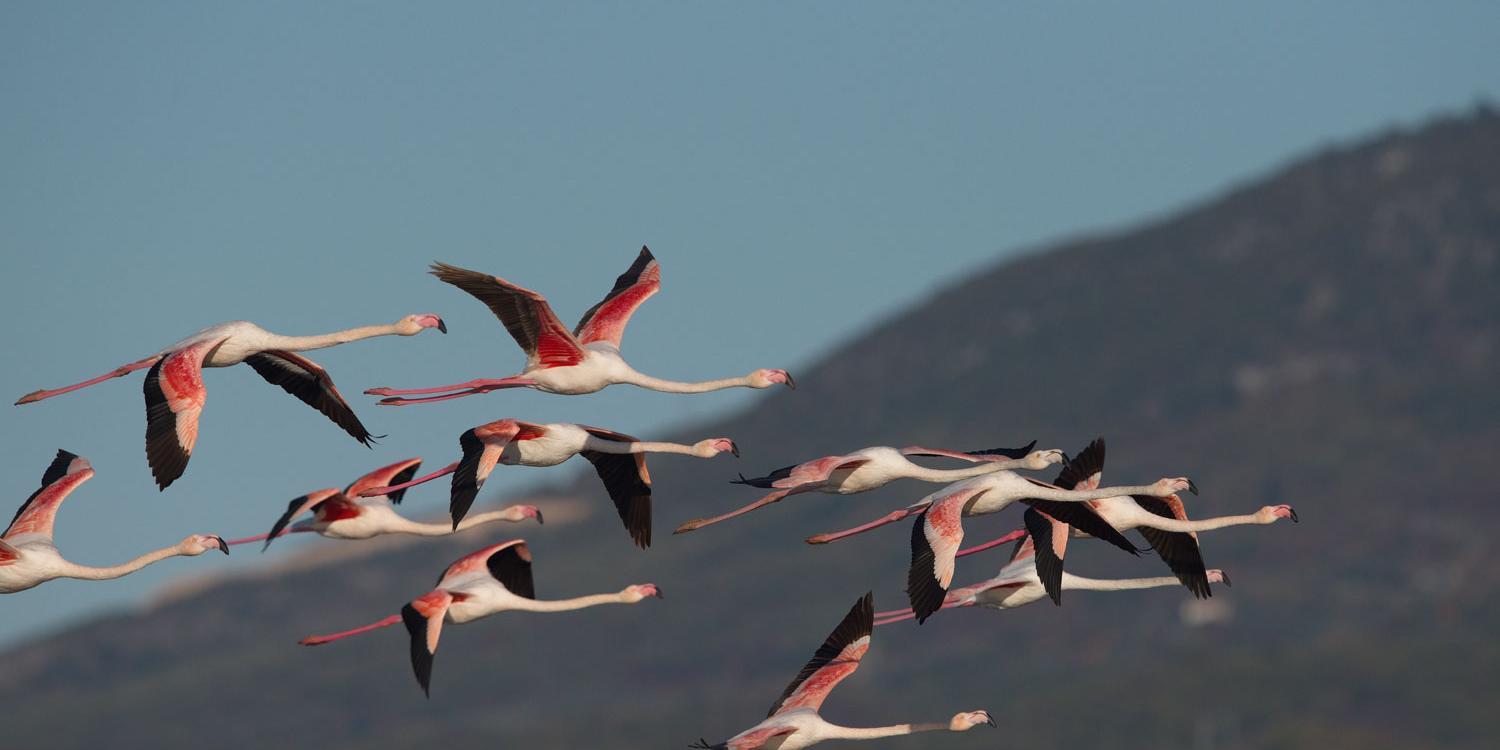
498 577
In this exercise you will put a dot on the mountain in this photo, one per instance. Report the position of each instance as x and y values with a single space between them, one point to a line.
1327 336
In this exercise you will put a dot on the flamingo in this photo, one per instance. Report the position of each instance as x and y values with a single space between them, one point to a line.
492 580
28 556
347 514
938 532
584 361
872 468
794 721
1018 584
618 458
175 392
1162 521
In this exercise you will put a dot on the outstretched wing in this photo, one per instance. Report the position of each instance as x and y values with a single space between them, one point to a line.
297 507
606 321
1049 538
807 472
990 454
423 619
482 448
1083 471
525 314
935 539
38 513
1178 549
400 472
836 659
174 398
310 383
511 566
628 483
475 562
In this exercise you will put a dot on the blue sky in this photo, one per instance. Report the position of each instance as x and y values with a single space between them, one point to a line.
800 169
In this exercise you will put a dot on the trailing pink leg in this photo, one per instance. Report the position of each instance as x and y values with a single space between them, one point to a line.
263 537
318 640
892 517
701 522
378 491
475 384
1011 537
120 371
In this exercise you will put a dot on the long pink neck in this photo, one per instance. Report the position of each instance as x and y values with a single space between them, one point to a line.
563 605
323 341
676 386
318 640
834 731
84 572
1172 524
638 446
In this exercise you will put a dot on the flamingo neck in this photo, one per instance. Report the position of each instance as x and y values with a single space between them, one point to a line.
323 341
834 731
1099 493
676 386
563 605
1120 584
417 528
1173 524
639 446
917 471
87 573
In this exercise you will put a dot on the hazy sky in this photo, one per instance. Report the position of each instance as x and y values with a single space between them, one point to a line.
800 169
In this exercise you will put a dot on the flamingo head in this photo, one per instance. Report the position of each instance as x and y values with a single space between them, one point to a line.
714 446
412 325
639 591
197 544
1274 513
1038 460
768 378
969 719
523 512
1174 486
1218 576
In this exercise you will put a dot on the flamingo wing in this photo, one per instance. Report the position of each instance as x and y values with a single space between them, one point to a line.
400 472
423 618
310 383
1083 517
297 507
482 447
8 554
1178 549
628 483
174 398
606 321
475 562
991 454
935 538
1083 471
836 659
39 512
511 566
525 314
1050 543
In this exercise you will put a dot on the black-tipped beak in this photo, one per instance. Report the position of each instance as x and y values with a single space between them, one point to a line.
1226 580
1066 460
734 450
990 720
539 517
790 383
659 594
1294 515
1192 487
442 327
223 547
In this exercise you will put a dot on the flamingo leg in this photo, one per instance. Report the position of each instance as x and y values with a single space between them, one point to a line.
1011 537
318 640
892 517
701 522
263 537
472 384
496 385
378 491
120 371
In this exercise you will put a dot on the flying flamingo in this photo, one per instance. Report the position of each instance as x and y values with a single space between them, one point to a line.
1018 584
618 458
175 392
27 555
873 468
938 532
494 579
794 721
348 515
1162 521
584 361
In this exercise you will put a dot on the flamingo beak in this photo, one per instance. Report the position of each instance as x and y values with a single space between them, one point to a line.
734 450
790 383
442 327
537 513
1226 579
1294 514
223 547
1192 487
990 720
658 594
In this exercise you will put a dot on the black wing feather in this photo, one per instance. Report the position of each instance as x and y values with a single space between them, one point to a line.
1048 561
922 587
858 623
1178 549
1088 462
1007 452
1083 517
163 453
511 566
630 491
313 388
421 658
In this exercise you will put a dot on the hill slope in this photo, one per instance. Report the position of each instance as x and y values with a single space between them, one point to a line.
1328 336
